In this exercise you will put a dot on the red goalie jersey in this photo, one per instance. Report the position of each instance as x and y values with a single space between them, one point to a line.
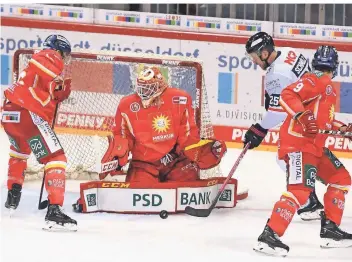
35 87
313 92
157 125
154 131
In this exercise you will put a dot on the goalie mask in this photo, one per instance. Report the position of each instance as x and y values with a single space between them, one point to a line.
150 84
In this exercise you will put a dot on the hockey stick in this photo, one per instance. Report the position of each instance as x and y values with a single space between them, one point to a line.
205 212
44 204
335 133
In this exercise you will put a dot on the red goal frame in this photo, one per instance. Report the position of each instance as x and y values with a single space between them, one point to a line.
167 61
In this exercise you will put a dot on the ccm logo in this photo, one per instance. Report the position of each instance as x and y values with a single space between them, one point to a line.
212 182
115 185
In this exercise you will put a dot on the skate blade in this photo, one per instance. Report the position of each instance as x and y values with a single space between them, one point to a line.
330 243
54 227
309 216
11 212
265 249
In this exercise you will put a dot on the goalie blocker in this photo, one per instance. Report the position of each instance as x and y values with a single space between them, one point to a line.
144 198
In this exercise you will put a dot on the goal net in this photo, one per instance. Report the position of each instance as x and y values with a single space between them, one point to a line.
99 81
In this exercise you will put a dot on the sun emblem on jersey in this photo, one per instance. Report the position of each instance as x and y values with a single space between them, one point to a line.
161 123
332 112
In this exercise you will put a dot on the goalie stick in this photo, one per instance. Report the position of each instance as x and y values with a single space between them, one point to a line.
44 204
205 212
335 133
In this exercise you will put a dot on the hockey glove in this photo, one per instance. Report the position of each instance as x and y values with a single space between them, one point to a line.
267 101
308 122
255 135
61 91
347 128
206 153
218 149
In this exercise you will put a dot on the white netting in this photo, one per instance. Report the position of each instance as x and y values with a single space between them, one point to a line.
98 84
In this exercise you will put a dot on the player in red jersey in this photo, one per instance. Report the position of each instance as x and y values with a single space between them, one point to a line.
310 105
157 126
28 114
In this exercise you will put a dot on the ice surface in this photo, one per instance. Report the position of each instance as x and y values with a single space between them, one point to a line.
226 235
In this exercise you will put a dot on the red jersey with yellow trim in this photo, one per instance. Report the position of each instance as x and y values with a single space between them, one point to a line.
314 92
154 131
34 87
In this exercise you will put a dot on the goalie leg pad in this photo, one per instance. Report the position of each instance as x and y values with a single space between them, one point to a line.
142 172
184 170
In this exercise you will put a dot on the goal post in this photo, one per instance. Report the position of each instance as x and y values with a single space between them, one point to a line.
99 81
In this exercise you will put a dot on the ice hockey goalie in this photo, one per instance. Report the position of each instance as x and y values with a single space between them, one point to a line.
156 125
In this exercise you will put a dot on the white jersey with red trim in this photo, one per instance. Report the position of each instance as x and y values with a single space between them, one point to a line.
288 67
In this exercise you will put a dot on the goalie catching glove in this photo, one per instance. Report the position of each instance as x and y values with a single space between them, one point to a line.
117 150
206 153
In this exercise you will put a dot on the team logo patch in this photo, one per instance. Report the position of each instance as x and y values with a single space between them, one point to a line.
135 107
11 117
161 126
161 123
37 120
328 90
181 100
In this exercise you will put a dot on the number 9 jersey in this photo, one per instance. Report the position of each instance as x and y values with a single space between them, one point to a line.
288 67
313 92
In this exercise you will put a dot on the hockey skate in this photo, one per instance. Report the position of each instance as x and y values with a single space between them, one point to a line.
13 198
56 220
311 210
269 243
332 236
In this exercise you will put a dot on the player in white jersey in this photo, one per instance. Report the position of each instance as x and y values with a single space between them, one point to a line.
283 68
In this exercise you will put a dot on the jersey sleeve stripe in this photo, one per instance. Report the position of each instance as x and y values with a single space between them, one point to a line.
188 127
275 109
43 68
43 103
286 107
128 124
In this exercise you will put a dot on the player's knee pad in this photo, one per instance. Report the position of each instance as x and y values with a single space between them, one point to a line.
342 181
186 171
142 172
298 196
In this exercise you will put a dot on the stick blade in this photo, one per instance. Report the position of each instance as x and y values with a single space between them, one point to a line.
43 205
197 212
